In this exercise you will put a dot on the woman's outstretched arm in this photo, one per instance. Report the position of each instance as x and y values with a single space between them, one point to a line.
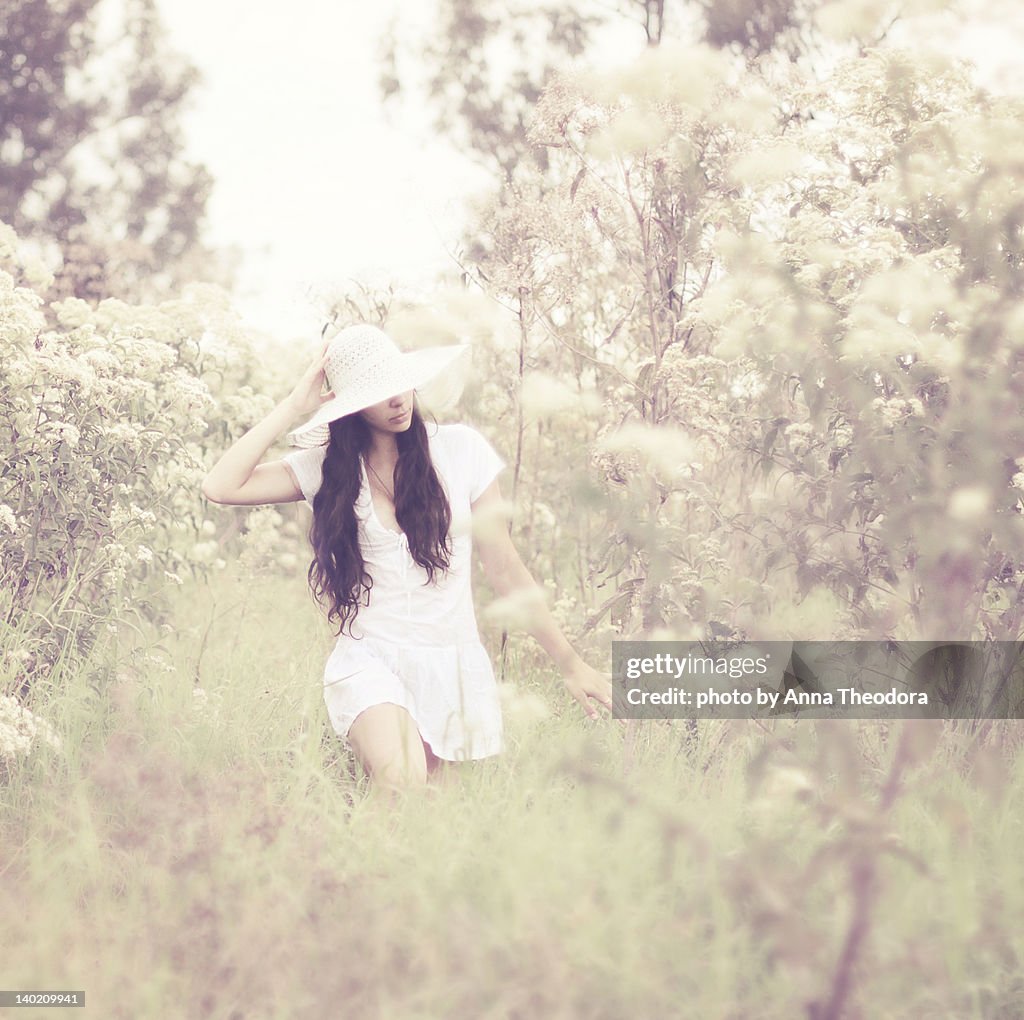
507 573
239 478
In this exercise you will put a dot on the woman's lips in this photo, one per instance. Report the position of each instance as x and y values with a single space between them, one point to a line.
399 417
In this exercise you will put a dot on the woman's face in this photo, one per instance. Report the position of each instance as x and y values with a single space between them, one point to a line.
391 415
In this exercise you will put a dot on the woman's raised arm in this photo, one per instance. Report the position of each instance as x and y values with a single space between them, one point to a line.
239 478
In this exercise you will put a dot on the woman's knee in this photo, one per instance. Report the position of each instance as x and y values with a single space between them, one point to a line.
388 744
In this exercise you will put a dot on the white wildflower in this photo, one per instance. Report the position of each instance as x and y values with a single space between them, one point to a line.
116 574
72 312
101 360
206 704
128 388
781 784
63 367
842 434
121 432
893 410
144 517
214 344
518 610
667 449
8 520
630 130
969 502
65 432
799 428
18 371
544 516
875 601
36 273
188 392
156 660
117 555
768 164
205 552
520 707
261 543
685 74
544 395
748 386
20 729
800 436
8 242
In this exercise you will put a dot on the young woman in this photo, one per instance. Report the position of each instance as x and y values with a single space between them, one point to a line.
408 684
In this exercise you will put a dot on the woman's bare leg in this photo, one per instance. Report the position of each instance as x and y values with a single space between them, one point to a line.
389 747
440 771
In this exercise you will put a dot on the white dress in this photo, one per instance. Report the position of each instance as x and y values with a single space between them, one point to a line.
416 644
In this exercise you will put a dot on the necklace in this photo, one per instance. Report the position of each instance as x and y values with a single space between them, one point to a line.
380 482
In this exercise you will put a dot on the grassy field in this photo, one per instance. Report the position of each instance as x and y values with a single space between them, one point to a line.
215 855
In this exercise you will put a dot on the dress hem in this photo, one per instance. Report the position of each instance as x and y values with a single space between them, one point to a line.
424 736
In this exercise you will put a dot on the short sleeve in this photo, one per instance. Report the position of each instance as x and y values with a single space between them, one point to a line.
482 463
308 467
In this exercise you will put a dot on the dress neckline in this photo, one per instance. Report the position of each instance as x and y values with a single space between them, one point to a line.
371 509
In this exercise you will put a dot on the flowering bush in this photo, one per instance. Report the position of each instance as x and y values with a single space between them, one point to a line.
805 342
108 423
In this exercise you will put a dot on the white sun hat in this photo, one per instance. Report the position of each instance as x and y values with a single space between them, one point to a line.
365 366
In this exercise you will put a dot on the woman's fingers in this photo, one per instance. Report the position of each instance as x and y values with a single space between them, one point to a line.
320 360
582 697
316 368
591 711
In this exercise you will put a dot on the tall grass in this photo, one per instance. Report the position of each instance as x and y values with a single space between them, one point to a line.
216 855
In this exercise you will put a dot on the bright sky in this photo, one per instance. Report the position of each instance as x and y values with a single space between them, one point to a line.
317 183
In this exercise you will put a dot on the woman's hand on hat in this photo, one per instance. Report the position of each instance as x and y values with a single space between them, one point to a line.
305 397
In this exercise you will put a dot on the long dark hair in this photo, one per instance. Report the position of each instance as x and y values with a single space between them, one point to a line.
338 572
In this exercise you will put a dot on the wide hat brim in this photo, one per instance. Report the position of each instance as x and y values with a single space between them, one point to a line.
438 374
